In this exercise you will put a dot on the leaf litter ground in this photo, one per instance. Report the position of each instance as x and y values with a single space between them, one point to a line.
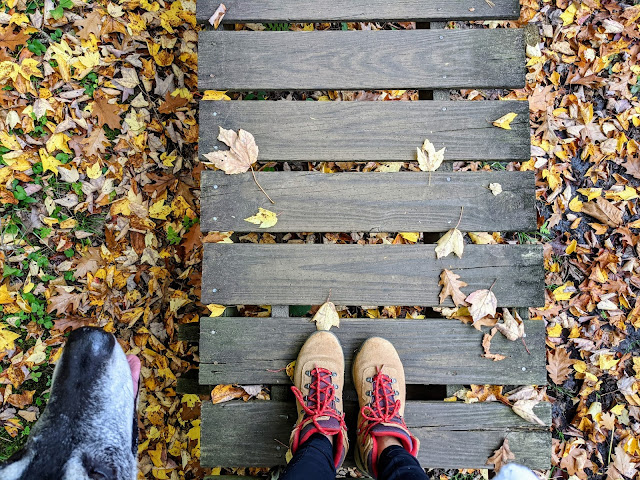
100 208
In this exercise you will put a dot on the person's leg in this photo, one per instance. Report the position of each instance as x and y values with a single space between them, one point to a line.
386 449
313 460
318 441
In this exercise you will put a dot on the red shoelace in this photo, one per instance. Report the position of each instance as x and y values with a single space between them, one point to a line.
384 408
321 399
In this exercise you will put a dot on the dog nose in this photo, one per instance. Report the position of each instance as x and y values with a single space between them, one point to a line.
91 342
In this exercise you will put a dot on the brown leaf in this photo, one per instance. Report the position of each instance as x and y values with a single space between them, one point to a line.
559 365
451 286
106 112
192 239
524 409
171 103
65 302
11 39
21 400
326 317
483 303
242 154
225 393
73 322
576 461
512 328
622 465
486 345
95 144
218 15
604 211
501 456
89 262
90 23
632 165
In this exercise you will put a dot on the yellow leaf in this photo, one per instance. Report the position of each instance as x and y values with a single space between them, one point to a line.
452 241
482 238
590 193
18 19
215 95
190 399
9 141
5 295
428 159
68 223
575 205
264 218
629 193
159 210
29 68
410 236
571 247
94 171
560 293
618 409
58 141
7 339
568 15
505 121
495 188
607 362
216 310
49 162
555 331
326 317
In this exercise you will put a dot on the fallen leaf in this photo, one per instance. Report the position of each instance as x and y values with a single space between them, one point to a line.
242 154
486 345
7 337
511 327
482 303
623 465
505 121
264 218
451 286
524 409
452 241
216 310
326 317
428 159
225 393
495 188
559 365
218 15
501 456
107 113
604 211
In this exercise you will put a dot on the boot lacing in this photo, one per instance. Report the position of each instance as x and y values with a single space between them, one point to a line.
384 408
321 400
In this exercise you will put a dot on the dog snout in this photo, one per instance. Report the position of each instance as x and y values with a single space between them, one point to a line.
91 342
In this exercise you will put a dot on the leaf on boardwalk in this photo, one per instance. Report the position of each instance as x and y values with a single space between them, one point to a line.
452 241
264 218
524 409
216 310
326 317
559 365
486 345
511 327
482 303
451 285
505 121
226 393
495 188
501 456
428 158
242 154
218 15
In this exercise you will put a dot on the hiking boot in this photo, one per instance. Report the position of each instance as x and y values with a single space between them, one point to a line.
319 380
378 376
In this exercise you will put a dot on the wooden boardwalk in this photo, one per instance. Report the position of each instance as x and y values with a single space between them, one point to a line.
435 351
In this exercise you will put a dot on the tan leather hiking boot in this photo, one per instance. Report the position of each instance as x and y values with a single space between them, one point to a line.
319 380
379 380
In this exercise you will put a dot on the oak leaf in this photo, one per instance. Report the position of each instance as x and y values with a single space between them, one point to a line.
559 365
11 39
95 144
452 241
428 158
65 302
326 317
486 345
501 456
451 285
482 303
242 154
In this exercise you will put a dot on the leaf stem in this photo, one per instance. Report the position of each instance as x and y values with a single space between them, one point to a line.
259 186
460 219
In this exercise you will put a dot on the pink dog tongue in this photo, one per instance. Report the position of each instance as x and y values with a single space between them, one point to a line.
134 365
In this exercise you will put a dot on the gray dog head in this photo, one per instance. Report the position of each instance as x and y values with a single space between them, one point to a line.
88 430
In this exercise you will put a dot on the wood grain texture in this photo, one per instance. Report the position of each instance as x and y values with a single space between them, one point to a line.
452 435
370 131
252 351
294 274
361 60
308 11
371 201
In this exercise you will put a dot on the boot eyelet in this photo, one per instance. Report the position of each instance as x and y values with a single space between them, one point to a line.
336 386
334 374
305 398
396 392
369 379
307 385
393 380
337 400
369 393
307 373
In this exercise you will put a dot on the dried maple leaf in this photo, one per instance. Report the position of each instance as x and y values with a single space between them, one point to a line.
452 241
242 154
106 112
326 317
482 303
451 286
524 409
172 103
21 400
501 456
218 15
428 159
559 365
486 345
576 461
512 328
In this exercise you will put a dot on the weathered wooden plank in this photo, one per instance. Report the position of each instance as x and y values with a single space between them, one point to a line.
434 351
446 432
307 11
294 274
371 202
361 60
370 131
